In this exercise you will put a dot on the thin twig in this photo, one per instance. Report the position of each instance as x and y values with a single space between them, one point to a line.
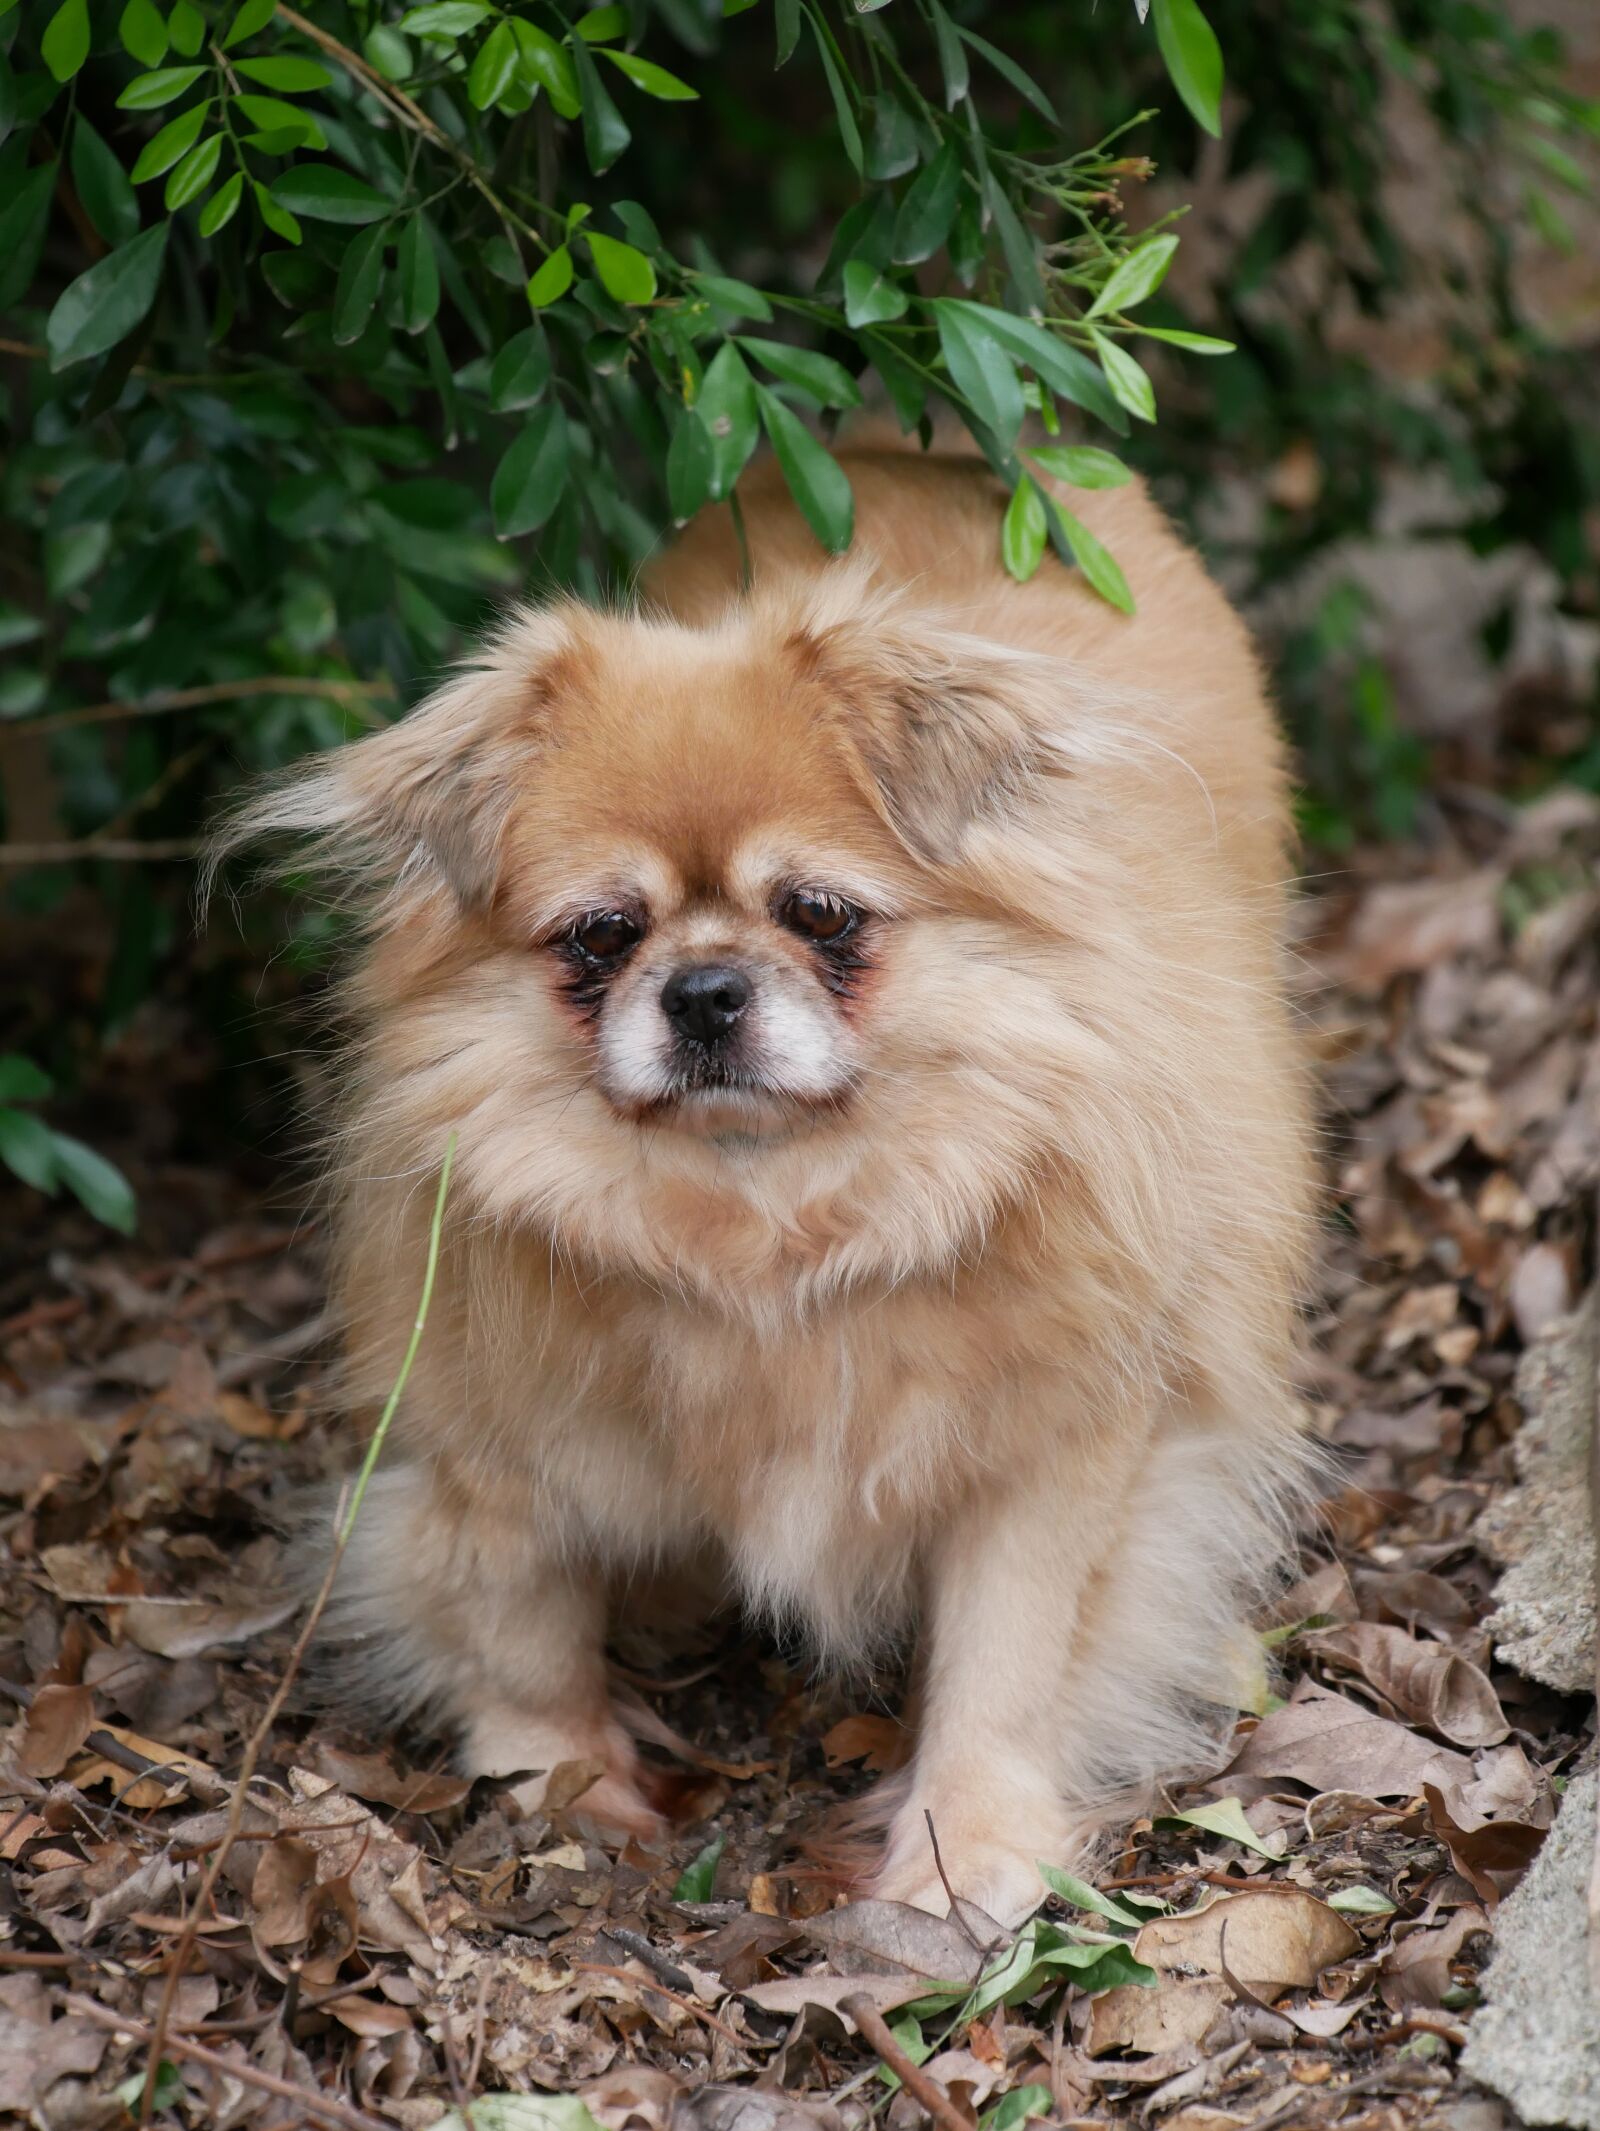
306 2099
920 2085
174 699
375 1447
115 847
176 1775
967 1931
179 1959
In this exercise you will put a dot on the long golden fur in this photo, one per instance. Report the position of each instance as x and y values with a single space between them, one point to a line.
967 1302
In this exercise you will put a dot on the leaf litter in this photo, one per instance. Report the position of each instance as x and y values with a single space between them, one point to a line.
1292 1936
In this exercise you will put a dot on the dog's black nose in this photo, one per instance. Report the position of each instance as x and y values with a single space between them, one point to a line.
704 1001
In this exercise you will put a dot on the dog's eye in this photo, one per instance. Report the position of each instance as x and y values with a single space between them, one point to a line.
827 919
606 934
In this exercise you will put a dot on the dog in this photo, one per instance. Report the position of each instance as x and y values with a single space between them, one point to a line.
883 1163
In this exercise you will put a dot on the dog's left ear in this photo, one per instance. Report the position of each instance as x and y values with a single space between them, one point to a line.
950 729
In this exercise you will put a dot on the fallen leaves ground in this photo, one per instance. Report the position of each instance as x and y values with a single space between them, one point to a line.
1292 1941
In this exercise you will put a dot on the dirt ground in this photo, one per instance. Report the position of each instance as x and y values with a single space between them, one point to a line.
289 1923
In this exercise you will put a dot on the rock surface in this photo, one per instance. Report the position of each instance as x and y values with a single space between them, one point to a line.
1536 2039
1541 1530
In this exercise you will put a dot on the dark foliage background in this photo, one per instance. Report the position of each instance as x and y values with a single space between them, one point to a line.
256 463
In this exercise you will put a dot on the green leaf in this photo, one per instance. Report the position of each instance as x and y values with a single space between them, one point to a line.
816 480
1356 1901
952 57
360 276
1127 381
737 297
605 132
521 371
529 480
193 174
1193 58
980 368
602 23
1196 343
278 219
288 76
28 1149
844 110
417 276
92 1180
65 43
107 301
169 2088
1226 1816
444 18
653 80
547 65
102 184
1039 1951
1021 251
325 193
222 206
1024 533
1081 465
1012 73
143 31
695 1882
175 139
1099 566
726 404
271 116
1064 368
892 143
1136 277
148 92
22 228
869 299
186 26
625 273
552 279
494 67
1017 2107
786 25
827 382
253 16
688 467
1128 1911
389 52
928 208
22 1081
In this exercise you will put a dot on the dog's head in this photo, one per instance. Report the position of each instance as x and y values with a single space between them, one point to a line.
654 896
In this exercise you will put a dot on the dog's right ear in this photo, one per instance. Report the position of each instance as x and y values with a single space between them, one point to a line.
433 791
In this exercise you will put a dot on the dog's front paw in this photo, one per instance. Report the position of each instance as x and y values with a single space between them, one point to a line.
997 1873
502 1743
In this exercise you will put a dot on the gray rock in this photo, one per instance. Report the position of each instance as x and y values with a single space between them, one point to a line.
1536 2038
1541 1529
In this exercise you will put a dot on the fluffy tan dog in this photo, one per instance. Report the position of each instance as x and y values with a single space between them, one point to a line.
883 1156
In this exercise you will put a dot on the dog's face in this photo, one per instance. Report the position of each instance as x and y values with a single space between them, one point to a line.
684 936
703 886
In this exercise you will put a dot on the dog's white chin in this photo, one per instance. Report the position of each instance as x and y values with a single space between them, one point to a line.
733 1117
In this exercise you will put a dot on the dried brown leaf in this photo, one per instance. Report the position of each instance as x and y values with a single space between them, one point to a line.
875 1938
58 1723
1333 1744
1428 1683
1416 1970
